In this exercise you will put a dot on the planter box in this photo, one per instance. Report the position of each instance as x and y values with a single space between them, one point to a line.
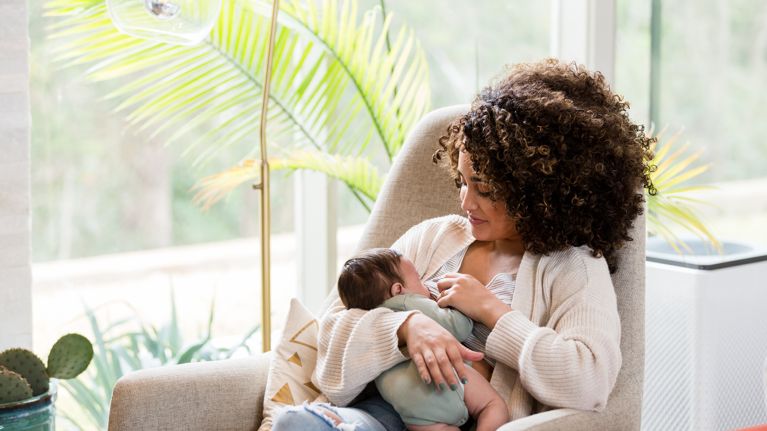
33 414
705 339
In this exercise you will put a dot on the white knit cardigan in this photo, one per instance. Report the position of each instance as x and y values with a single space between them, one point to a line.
558 347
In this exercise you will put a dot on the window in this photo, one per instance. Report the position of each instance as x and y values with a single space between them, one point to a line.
468 43
709 83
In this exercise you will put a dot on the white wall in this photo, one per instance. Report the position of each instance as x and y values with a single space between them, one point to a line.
15 275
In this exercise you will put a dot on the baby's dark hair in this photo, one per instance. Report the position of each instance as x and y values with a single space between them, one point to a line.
366 278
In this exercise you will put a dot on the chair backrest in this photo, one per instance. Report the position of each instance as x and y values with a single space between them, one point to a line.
416 189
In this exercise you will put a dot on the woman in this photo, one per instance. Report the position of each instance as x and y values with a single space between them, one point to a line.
550 170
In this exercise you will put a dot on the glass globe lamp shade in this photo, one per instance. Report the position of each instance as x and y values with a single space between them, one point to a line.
181 22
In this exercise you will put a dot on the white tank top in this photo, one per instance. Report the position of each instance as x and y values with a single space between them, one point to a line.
502 285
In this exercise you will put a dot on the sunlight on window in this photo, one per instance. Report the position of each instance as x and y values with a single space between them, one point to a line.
710 87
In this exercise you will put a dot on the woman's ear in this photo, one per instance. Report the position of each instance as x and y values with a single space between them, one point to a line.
396 289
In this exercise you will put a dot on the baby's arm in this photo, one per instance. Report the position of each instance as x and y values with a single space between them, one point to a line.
483 368
483 402
449 318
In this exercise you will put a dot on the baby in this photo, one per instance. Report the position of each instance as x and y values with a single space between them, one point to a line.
383 277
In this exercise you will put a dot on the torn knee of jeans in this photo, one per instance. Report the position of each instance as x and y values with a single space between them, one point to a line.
327 414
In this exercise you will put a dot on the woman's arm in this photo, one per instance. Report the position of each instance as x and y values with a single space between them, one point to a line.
355 346
574 360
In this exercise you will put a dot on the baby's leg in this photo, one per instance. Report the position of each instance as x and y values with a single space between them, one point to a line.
483 402
433 427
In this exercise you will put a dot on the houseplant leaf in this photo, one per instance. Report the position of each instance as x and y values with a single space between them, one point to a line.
669 206
338 84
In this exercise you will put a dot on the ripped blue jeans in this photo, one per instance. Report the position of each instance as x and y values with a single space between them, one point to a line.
371 414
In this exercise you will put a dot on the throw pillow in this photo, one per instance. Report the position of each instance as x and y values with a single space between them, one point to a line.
289 381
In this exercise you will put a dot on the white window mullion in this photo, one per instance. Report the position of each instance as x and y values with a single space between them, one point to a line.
584 31
315 226
314 216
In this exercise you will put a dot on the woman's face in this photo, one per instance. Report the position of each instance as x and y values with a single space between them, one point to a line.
489 220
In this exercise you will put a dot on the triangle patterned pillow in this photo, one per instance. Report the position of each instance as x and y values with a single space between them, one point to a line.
289 381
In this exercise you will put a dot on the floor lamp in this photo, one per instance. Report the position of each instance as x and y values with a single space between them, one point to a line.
265 207
188 22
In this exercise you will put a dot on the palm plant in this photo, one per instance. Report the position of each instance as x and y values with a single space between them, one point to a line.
340 82
672 205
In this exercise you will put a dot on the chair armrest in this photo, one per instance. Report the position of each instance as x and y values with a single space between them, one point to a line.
570 419
221 395
557 419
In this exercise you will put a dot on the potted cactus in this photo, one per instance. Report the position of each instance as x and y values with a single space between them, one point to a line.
28 386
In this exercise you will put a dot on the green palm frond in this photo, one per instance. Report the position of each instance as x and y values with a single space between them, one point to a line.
392 82
336 85
213 188
356 172
671 205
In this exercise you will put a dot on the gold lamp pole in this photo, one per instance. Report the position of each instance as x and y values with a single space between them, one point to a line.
188 22
265 207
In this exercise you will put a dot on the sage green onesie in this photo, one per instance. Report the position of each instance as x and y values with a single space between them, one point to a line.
416 402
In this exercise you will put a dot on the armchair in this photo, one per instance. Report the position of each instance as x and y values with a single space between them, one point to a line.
229 394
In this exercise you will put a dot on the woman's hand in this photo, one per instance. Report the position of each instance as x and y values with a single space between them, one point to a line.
435 352
466 294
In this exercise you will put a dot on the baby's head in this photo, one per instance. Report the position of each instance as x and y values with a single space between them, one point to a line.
375 275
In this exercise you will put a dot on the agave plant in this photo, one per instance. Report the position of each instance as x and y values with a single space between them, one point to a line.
672 206
131 344
341 81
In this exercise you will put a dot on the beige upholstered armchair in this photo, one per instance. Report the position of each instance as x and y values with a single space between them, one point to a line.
228 395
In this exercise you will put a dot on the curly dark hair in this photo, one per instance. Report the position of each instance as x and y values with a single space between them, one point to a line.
557 146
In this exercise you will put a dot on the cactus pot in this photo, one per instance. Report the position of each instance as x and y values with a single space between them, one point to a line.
33 414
